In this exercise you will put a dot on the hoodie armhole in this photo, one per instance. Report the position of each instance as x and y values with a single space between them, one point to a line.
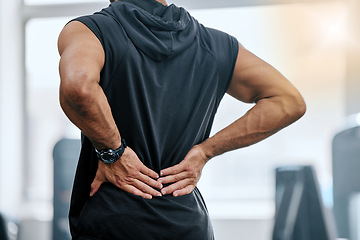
225 50
92 27
235 51
100 24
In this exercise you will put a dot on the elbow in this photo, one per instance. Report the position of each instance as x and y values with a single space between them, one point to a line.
301 108
297 107
76 92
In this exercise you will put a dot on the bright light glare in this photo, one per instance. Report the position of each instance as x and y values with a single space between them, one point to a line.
335 28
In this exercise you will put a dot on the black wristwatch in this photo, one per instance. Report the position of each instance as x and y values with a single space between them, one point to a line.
109 155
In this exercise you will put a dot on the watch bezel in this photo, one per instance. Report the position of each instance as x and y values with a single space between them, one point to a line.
109 155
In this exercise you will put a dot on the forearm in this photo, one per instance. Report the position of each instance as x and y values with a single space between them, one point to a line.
267 117
89 110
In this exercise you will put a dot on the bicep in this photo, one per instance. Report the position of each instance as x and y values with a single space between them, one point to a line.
81 53
254 79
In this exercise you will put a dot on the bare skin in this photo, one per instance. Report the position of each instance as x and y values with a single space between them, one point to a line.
278 104
163 2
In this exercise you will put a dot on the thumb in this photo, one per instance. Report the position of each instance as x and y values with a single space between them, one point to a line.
95 185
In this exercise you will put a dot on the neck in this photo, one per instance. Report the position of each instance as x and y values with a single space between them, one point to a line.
163 2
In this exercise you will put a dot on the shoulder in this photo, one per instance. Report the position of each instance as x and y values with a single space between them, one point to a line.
97 27
75 32
91 23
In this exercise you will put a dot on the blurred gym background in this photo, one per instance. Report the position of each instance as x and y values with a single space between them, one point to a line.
314 43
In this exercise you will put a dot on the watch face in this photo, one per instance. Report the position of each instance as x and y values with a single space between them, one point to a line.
108 156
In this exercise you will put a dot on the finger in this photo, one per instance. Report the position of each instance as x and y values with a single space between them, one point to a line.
144 188
186 190
98 180
176 186
149 181
95 185
135 191
172 170
174 178
147 171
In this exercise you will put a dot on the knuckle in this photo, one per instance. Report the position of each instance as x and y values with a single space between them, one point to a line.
120 183
192 174
133 174
148 180
137 169
171 189
128 179
177 170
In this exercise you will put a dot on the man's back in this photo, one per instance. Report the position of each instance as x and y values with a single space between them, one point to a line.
164 76
150 74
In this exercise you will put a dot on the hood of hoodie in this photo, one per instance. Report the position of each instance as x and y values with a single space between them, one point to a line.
156 30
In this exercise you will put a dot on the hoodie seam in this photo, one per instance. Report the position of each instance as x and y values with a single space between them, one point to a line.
172 41
217 68
118 66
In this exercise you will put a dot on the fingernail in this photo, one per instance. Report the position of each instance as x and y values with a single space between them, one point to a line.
176 194
161 173
159 195
163 192
160 180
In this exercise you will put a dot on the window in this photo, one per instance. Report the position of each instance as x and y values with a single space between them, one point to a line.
47 123
30 2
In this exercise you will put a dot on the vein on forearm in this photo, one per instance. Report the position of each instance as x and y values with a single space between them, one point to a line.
267 117
90 111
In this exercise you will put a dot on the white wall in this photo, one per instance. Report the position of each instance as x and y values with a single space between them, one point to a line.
11 102
353 60
298 40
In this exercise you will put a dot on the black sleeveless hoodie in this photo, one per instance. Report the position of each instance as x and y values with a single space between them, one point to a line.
164 77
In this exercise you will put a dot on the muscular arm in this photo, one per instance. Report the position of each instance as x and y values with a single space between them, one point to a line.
85 104
278 104
81 97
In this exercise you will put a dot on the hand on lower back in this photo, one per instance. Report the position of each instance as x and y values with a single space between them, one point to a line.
129 174
185 175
